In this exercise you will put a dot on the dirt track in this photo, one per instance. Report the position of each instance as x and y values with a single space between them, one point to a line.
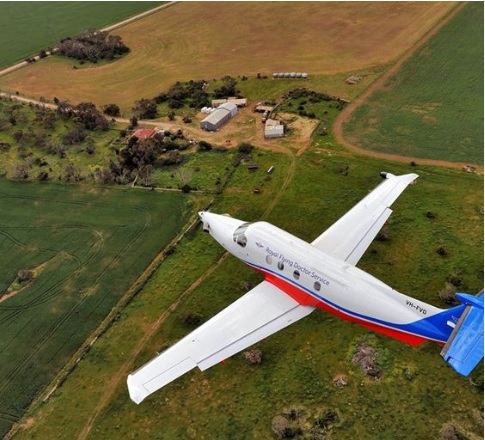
379 84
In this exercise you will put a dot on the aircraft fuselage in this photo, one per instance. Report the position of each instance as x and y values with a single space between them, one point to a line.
314 278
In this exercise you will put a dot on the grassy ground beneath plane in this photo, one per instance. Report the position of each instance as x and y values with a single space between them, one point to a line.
418 393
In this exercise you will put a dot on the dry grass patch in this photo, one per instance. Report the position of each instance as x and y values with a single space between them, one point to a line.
207 40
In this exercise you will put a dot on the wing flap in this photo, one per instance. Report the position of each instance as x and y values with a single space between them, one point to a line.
272 327
259 313
349 237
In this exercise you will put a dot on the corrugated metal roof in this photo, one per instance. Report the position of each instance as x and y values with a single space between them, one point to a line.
274 130
218 114
229 106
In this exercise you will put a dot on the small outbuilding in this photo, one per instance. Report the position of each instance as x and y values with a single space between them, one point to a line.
145 133
240 102
273 129
263 108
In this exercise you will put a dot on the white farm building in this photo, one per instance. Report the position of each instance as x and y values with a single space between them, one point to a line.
219 117
273 129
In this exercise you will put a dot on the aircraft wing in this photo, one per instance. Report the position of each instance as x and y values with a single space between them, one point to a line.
259 313
349 237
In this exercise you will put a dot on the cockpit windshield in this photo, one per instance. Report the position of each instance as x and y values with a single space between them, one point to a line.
239 236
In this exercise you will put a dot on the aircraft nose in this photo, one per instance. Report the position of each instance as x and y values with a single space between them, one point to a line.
203 219
221 227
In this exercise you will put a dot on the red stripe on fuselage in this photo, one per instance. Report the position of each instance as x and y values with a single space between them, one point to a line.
306 299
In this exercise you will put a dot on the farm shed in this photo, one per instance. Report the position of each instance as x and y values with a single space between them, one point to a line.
273 129
263 108
219 117
229 106
240 102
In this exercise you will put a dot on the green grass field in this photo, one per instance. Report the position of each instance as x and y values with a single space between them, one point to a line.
418 393
87 247
433 107
29 27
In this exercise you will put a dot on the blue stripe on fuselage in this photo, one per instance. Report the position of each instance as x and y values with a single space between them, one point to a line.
434 327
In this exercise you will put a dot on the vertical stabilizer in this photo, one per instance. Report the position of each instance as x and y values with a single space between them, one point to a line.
464 348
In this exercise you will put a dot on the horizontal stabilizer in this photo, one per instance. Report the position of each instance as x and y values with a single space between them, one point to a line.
464 348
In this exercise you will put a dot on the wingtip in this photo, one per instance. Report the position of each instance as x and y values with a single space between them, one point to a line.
385 175
137 392
406 178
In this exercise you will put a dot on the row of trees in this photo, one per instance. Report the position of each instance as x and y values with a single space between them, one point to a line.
93 46
191 93
194 93
85 115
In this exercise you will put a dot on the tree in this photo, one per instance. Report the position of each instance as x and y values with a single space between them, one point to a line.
171 158
280 426
449 432
184 175
21 171
205 146
447 294
133 123
139 154
74 136
145 109
145 173
49 120
89 116
254 356
112 110
25 275
244 148
72 173
18 135
366 358
93 46
64 109
186 189
227 89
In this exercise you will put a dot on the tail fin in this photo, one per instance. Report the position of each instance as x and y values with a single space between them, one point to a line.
464 348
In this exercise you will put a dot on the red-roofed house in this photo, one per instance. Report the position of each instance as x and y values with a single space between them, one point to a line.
145 133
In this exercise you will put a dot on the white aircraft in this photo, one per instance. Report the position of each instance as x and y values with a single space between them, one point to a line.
300 277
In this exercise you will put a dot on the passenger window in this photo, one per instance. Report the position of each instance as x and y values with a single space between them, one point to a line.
296 275
281 266
317 286
269 260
